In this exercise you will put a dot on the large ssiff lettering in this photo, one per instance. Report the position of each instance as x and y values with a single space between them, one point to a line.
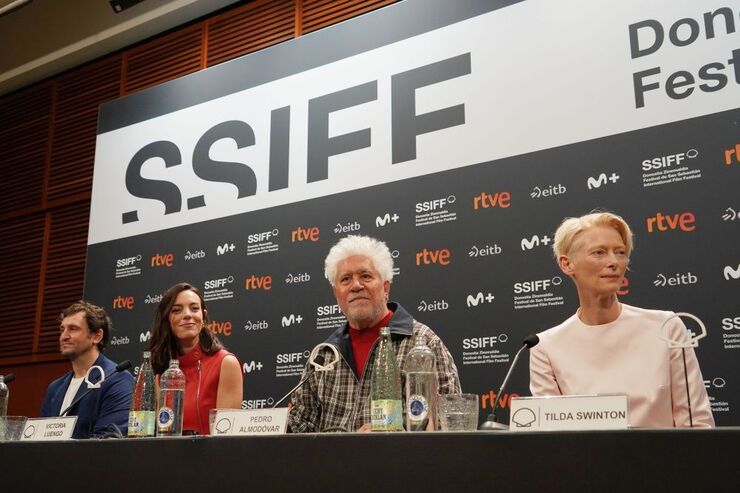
648 36
406 125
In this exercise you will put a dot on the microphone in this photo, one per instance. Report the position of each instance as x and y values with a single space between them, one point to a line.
491 424
122 366
9 377
318 360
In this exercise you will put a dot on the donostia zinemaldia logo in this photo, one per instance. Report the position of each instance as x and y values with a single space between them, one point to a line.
524 417
687 339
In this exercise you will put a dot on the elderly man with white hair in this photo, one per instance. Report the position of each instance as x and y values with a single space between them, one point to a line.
360 271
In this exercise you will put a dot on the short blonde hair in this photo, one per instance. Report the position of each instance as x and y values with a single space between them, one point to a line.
376 250
567 234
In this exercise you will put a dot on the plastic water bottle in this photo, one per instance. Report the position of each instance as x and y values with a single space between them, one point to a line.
421 387
142 416
171 400
385 388
4 396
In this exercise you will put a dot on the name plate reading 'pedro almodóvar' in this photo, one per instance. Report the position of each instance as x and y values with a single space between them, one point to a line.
49 429
572 412
249 421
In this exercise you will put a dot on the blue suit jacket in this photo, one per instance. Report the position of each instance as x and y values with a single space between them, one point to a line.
102 407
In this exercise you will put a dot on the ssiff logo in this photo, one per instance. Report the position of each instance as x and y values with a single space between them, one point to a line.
530 243
126 302
668 160
385 219
685 221
732 155
600 180
485 200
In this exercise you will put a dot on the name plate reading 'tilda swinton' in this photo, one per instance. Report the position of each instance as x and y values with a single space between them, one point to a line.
572 412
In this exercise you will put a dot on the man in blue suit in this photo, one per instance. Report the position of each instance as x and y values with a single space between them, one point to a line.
84 332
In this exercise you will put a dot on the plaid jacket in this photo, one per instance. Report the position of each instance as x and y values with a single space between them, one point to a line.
337 400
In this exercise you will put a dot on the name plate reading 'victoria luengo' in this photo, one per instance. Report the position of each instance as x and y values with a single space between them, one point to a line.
250 421
49 429
571 412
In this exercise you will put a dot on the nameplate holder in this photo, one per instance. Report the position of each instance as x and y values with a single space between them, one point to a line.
572 412
49 429
250 422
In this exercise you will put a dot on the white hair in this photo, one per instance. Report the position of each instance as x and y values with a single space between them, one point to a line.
376 250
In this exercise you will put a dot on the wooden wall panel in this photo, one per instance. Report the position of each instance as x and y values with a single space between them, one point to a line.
249 28
79 94
323 13
20 269
65 269
47 145
162 59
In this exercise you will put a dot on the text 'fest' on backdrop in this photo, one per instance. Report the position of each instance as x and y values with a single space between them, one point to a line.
461 133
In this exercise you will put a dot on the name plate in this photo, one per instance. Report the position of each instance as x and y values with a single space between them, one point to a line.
572 412
250 421
49 429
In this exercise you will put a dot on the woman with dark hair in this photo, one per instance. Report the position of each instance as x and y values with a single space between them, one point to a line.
213 377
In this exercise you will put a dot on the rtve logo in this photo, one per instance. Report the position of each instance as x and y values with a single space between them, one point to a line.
347 228
731 273
675 280
225 248
668 160
258 282
535 241
291 319
484 251
128 261
477 299
485 200
487 400
302 234
732 153
665 222
428 257
548 191
483 342
126 302
432 306
624 287
252 366
385 219
159 260
600 180
220 328
729 323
